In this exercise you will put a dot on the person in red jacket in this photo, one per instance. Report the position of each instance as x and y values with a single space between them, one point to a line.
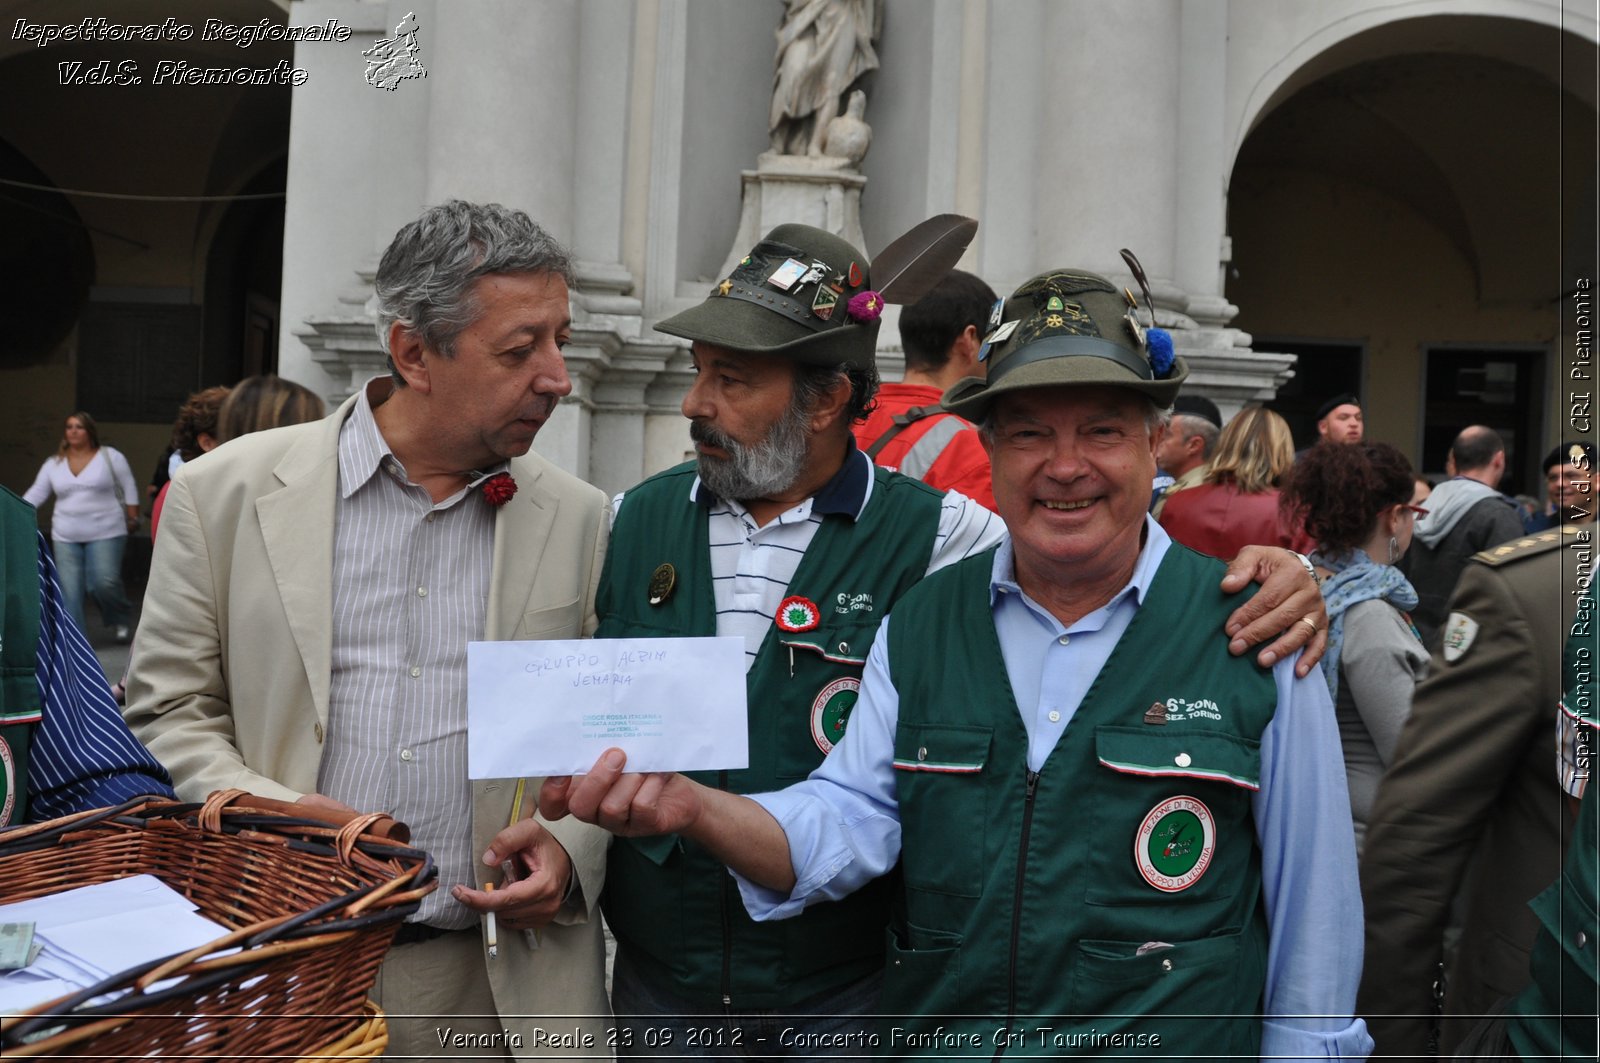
907 430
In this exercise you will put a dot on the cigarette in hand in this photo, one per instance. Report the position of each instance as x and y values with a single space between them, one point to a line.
494 947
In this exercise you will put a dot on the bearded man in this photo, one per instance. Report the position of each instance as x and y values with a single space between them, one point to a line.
786 534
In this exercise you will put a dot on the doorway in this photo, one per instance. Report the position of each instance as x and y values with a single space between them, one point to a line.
1502 387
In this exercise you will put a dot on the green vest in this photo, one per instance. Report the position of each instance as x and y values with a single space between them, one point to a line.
1554 1017
671 905
20 709
1111 891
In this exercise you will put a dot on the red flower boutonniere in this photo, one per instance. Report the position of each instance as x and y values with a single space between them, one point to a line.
498 489
798 614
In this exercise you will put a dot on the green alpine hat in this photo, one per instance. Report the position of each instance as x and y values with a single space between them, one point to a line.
1070 327
801 292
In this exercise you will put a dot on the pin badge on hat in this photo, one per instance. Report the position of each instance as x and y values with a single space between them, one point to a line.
663 581
826 299
855 275
787 275
1132 316
999 335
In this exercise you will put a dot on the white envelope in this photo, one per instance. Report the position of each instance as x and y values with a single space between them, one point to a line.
552 707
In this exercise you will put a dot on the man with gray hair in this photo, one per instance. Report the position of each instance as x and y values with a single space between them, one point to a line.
314 590
1186 448
1465 514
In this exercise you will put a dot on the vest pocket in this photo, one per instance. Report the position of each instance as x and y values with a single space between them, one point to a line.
1189 992
939 779
823 666
915 976
1171 814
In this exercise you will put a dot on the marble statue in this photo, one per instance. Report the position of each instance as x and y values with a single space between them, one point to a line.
824 46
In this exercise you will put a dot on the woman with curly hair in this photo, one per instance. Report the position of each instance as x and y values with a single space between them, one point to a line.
1355 501
194 433
1236 504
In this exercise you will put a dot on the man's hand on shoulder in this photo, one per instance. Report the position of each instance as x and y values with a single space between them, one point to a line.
1289 605
538 885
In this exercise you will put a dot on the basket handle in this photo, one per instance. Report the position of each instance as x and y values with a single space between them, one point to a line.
378 824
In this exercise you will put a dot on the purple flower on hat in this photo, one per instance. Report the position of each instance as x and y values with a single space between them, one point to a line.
865 307
1159 341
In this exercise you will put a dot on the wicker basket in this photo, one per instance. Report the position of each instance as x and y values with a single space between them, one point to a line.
313 905
366 1041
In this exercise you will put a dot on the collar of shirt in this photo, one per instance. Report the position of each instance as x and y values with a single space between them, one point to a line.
845 495
363 450
1003 577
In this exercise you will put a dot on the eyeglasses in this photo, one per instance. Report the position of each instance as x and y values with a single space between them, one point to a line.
1416 511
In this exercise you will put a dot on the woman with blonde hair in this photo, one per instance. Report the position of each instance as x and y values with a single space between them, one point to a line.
1236 504
257 403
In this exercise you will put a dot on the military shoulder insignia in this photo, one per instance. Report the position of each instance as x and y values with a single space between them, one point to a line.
1175 843
1526 546
1459 632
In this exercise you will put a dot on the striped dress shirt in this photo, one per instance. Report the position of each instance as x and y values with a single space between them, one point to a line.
410 590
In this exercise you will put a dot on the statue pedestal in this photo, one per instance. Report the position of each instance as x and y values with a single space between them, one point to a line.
818 190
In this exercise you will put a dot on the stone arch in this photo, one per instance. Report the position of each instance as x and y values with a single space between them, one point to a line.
1417 187
1425 25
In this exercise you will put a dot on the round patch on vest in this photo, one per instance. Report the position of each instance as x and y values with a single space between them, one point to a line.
830 711
1175 844
8 783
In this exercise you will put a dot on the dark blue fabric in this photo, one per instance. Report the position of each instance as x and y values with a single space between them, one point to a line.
83 756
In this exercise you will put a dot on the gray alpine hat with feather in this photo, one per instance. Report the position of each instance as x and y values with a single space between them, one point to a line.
805 294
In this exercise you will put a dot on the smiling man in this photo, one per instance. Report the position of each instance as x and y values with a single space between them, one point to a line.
314 589
1072 469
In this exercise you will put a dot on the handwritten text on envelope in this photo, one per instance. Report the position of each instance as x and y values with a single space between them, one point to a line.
551 708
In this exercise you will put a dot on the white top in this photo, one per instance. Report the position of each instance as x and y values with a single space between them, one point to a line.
90 505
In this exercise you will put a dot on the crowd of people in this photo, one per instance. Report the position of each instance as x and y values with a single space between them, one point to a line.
1060 764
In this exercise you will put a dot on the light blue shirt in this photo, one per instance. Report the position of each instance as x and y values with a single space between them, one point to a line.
843 822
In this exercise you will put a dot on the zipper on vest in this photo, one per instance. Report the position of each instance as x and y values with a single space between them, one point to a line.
1032 778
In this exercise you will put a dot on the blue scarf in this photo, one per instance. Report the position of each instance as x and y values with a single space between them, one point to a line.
1357 578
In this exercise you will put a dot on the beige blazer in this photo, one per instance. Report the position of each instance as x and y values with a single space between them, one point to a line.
230 686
